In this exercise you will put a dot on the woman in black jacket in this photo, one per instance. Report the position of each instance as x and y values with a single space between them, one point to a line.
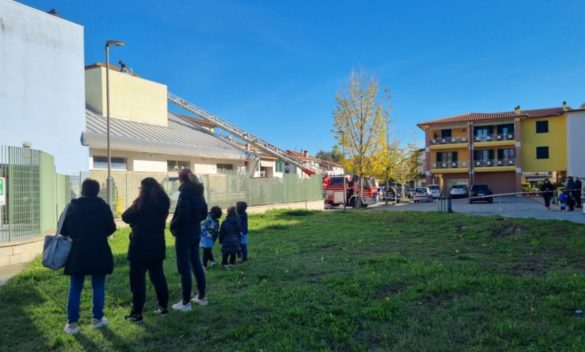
147 217
89 222
186 227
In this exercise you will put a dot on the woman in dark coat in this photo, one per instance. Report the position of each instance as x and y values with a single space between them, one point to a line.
547 190
147 217
89 222
186 227
230 234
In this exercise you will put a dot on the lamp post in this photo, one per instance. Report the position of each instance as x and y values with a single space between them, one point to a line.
343 153
109 43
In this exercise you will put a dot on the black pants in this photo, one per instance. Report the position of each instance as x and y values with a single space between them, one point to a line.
138 284
208 256
577 196
224 258
244 251
187 252
546 200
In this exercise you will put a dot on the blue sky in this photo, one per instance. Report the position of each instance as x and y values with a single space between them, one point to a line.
274 67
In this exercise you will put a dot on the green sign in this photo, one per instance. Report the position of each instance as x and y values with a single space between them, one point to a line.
2 191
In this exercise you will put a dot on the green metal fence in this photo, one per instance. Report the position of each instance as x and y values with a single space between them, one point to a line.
222 189
35 193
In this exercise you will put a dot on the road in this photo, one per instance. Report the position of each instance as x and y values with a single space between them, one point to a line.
514 207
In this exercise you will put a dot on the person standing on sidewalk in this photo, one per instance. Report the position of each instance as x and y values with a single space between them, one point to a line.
570 193
547 190
147 217
186 227
578 190
89 222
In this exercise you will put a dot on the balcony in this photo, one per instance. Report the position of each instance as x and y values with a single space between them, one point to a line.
449 164
494 137
494 162
448 140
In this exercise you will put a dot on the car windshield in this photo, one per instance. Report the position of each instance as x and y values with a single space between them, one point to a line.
434 187
459 187
481 188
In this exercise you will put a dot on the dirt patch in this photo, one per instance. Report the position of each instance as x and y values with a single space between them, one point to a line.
391 290
438 300
507 228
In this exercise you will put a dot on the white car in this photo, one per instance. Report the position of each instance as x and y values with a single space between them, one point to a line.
422 195
459 191
435 191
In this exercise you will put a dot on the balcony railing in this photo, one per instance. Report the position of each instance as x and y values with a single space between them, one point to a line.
449 164
448 140
494 162
494 137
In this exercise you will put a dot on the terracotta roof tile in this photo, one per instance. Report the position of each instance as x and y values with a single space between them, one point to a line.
475 116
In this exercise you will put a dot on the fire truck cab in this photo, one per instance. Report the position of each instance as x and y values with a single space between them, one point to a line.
349 189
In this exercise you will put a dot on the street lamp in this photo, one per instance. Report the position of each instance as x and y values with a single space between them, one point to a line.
109 43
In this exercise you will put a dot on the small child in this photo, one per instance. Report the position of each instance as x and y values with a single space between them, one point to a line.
243 216
229 237
209 232
563 200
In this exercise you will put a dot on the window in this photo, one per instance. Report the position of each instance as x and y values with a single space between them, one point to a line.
506 154
225 168
446 133
483 133
101 162
542 127
175 165
279 167
483 155
541 152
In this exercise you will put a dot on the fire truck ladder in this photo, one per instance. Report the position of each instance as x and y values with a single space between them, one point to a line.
236 131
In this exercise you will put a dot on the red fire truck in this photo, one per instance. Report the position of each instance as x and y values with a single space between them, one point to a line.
346 188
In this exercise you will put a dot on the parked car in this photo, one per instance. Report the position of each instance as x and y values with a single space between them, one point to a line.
459 191
479 193
422 195
435 190
389 195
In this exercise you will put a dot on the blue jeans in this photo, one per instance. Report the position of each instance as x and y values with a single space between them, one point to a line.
187 251
98 284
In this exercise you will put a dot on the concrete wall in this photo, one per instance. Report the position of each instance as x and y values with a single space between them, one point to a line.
19 252
131 98
41 83
576 144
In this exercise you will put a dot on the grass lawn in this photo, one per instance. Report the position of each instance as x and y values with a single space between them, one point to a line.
356 281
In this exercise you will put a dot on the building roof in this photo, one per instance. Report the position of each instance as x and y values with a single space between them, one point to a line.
197 121
300 156
178 138
475 116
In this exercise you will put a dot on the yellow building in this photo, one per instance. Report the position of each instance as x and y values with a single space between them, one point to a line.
503 149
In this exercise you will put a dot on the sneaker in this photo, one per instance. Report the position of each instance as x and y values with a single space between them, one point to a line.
71 328
182 307
99 323
213 264
199 301
161 311
133 317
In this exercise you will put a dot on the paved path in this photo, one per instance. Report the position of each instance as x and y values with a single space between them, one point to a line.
9 271
514 207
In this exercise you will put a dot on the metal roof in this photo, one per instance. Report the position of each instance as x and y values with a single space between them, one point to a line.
178 138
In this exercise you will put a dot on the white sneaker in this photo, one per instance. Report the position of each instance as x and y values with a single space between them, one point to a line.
99 323
199 301
71 328
182 307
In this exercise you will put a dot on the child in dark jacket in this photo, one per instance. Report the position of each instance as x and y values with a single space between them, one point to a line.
243 216
229 237
209 233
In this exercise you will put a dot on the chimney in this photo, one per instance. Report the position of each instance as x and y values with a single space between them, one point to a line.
305 153
517 110
53 12
565 106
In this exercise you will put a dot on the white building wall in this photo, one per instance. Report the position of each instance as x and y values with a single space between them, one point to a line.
149 165
42 93
576 144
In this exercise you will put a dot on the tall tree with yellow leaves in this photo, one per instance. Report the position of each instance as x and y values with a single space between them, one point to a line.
360 125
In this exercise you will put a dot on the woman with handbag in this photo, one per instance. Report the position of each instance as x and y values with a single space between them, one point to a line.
147 217
89 222
186 227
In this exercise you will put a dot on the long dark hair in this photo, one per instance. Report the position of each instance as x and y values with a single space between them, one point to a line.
189 180
151 192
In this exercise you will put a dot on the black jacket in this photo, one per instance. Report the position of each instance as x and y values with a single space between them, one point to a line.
230 233
547 189
190 211
89 222
147 239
